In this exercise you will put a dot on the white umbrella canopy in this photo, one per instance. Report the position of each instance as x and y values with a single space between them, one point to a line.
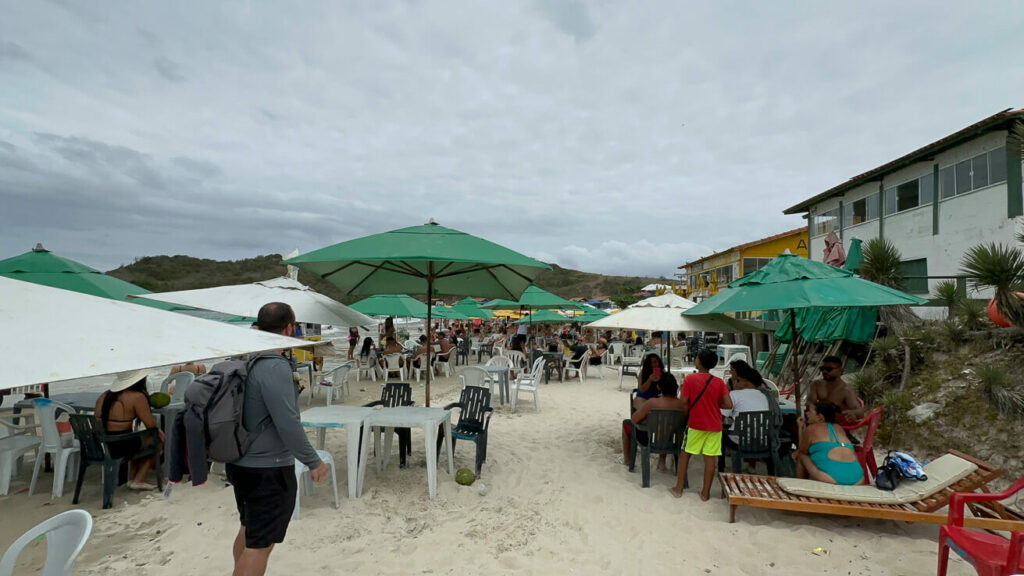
309 305
665 314
50 335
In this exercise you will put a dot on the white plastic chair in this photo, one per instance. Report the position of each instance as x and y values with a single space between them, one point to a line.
64 448
616 350
393 363
581 372
366 364
445 364
418 366
65 534
495 380
181 381
336 379
474 345
304 480
16 440
528 383
518 361
474 376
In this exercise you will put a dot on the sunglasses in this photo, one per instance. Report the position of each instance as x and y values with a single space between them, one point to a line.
827 369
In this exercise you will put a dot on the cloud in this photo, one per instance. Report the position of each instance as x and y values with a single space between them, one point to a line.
11 52
168 69
570 16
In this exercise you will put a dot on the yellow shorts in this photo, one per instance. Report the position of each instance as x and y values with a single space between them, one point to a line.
703 442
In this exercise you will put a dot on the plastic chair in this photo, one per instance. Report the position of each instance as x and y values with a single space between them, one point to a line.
758 438
865 450
988 553
474 376
304 479
462 351
518 361
418 366
616 351
665 431
474 418
94 439
392 364
336 379
395 394
528 383
577 367
181 381
63 447
494 380
16 440
444 361
365 364
65 533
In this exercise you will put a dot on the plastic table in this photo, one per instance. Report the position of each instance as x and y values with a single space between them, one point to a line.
408 417
351 419
503 380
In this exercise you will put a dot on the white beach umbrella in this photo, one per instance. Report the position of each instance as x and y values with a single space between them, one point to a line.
665 314
309 305
50 335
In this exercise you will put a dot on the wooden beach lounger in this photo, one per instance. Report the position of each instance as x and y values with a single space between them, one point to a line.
765 492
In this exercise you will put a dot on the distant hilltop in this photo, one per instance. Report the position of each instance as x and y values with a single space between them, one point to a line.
167 273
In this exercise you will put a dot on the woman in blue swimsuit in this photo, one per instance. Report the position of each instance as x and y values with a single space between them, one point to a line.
825 452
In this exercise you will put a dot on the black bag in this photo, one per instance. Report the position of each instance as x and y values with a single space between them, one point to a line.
889 476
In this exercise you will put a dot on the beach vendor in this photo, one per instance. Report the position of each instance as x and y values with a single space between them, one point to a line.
825 453
118 409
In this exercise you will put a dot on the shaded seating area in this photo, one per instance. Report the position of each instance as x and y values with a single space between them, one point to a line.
910 502
95 449
474 419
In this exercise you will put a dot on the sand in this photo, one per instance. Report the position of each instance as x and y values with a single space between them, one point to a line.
557 500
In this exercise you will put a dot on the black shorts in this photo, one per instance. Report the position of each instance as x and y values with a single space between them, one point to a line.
266 499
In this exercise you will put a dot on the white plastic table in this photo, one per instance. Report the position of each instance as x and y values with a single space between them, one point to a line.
351 419
409 417
503 384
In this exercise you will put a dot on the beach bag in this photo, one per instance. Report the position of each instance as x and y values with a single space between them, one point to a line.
907 465
216 400
888 477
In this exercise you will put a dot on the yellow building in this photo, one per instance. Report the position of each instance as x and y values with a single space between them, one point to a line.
708 275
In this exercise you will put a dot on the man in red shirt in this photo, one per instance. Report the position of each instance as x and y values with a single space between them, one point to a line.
705 395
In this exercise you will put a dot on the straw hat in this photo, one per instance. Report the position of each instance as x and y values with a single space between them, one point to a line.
126 380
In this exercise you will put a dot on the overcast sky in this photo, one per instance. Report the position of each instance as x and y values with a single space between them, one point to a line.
613 137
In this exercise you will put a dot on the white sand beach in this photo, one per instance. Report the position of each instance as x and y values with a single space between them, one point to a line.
557 501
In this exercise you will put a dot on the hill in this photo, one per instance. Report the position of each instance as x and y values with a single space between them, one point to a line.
168 273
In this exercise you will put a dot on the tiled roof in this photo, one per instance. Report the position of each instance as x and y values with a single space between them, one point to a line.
749 244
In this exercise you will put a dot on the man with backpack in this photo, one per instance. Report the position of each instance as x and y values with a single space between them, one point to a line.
264 477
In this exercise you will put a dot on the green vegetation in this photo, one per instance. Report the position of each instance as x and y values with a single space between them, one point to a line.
169 273
1001 267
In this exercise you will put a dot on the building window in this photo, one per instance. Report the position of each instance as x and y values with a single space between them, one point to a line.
860 211
980 171
751 265
917 192
914 275
826 222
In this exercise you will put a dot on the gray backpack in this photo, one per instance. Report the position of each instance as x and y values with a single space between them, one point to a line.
218 399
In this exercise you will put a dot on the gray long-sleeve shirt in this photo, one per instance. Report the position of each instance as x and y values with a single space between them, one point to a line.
271 392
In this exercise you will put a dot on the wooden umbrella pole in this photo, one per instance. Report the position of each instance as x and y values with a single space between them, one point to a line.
796 369
430 291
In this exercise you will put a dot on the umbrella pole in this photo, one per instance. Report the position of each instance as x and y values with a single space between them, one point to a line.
796 369
430 326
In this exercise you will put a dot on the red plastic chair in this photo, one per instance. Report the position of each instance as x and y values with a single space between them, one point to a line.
991 555
865 450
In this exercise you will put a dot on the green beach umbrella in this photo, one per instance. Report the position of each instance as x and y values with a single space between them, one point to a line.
501 304
428 259
853 256
401 305
790 282
40 266
544 317
470 307
590 315
446 313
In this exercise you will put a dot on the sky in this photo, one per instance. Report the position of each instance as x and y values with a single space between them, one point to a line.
608 136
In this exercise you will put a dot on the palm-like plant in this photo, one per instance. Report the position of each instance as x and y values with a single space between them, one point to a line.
945 292
1001 267
880 263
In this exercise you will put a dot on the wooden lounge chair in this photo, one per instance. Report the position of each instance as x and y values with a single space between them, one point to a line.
765 492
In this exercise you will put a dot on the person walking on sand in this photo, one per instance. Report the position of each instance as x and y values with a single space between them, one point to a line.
705 396
264 478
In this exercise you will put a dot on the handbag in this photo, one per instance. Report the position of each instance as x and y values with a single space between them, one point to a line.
889 475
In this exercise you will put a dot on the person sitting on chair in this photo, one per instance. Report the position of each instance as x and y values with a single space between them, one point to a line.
825 452
118 409
647 381
667 401
833 389
421 349
391 346
744 386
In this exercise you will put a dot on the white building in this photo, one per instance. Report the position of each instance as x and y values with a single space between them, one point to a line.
933 203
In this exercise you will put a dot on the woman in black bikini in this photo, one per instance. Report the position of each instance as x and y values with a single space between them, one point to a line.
118 409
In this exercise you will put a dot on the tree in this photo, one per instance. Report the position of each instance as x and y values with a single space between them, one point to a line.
1001 267
880 263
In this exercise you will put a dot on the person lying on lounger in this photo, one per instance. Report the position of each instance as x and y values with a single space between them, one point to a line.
825 452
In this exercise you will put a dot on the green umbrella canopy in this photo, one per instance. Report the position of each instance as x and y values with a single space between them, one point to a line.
446 313
791 281
391 305
470 307
544 317
408 259
590 315
40 266
501 304
533 298
853 257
